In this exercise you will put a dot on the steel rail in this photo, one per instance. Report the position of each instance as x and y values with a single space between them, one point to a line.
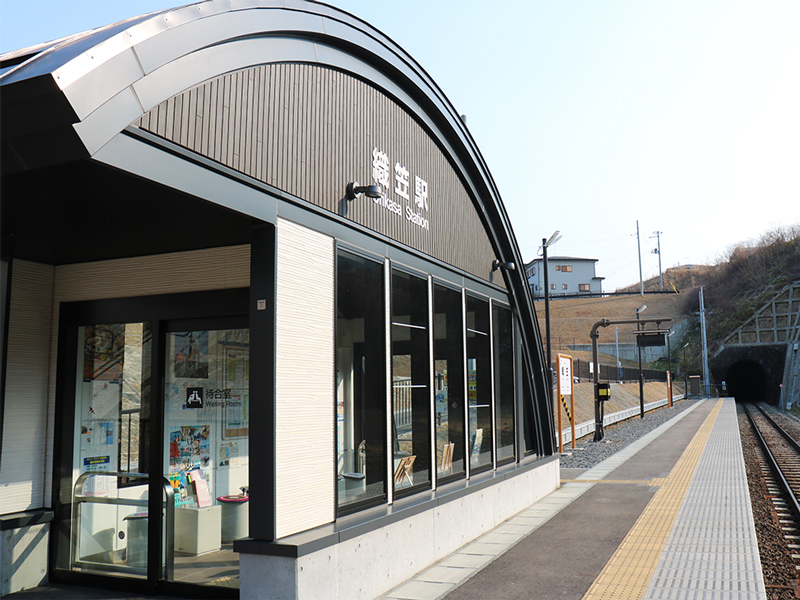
773 461
789 439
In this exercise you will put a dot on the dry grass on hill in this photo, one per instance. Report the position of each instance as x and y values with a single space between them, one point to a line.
571 319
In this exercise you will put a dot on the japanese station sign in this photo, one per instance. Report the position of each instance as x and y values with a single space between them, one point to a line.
564 374
382 176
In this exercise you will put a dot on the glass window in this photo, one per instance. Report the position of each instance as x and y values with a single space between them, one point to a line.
448 352
564 286
583 287
360 380
503 332
479 378
411 393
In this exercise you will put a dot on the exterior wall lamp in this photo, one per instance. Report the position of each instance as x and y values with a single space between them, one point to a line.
506 266
371 191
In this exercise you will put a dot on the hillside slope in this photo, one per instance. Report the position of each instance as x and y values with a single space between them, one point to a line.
571 319
733 290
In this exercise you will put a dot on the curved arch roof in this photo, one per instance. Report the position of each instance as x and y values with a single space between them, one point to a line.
74 95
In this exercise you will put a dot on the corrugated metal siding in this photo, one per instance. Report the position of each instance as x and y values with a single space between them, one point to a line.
304 380
310 130
27 422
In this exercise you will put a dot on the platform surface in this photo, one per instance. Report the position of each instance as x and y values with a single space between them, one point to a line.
667 517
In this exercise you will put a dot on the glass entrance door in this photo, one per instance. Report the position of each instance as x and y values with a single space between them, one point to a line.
206 450
112 428
199 491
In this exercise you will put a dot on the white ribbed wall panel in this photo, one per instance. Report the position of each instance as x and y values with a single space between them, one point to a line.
28 418
304 432
210 269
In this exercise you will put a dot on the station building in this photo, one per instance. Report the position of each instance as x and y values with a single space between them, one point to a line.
258 282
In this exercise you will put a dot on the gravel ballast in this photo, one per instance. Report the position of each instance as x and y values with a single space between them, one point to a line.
589 453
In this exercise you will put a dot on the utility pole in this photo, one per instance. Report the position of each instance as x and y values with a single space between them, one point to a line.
657 235
706 382
639 246
639 348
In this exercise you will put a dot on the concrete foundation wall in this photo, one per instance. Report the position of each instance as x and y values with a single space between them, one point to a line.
790 392
23 558
369 565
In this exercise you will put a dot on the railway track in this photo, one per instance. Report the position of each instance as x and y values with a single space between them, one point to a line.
779 457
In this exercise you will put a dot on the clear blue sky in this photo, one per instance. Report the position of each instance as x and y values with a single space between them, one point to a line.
591 114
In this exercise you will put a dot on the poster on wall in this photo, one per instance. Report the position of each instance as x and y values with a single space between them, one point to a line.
237 420
189 446
96 434
106 399
237 367
96 485
237 377
191 355
103 352
228 455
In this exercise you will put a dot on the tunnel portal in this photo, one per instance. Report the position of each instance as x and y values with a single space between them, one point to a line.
747 381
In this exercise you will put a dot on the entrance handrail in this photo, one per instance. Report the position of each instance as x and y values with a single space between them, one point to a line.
169 511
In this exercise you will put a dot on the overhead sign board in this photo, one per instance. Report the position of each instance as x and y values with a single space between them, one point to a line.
650 338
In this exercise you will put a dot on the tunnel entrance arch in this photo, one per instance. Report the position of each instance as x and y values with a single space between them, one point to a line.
747 381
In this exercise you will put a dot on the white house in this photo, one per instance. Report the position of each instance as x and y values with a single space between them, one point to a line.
567 276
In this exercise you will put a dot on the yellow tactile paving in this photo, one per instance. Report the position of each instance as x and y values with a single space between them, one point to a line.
629 571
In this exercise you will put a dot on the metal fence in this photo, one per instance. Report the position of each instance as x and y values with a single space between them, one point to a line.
401 390
580 369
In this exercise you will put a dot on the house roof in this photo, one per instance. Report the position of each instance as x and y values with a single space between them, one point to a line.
562 259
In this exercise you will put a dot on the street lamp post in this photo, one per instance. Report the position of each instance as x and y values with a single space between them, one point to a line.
546 243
